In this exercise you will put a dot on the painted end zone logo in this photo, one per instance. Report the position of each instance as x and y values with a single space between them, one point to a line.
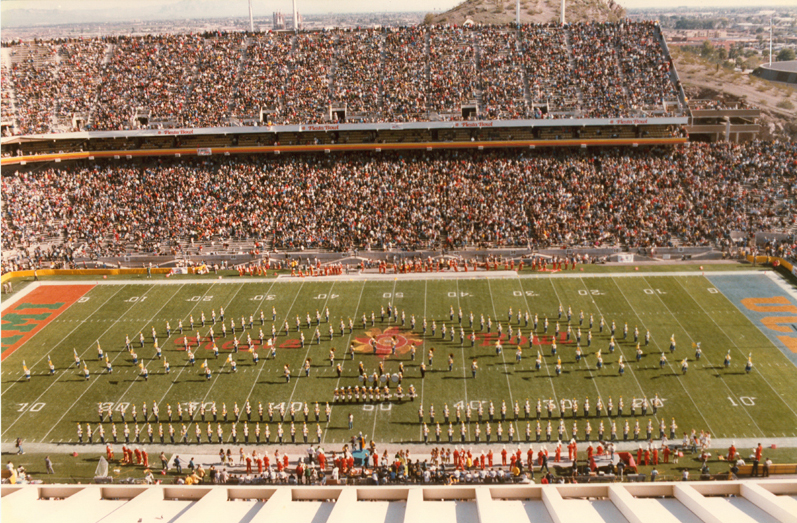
35 310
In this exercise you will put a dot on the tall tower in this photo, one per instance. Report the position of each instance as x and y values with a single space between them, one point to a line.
563 12
251 20
295 17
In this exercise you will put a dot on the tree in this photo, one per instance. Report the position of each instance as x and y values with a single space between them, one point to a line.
707 50
427 20
785 55
722 54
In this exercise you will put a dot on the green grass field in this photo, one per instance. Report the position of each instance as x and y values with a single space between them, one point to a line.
726 401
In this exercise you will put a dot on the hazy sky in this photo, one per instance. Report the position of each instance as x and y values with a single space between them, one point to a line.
340 6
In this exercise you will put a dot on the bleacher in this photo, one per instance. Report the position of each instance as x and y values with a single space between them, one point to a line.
392 75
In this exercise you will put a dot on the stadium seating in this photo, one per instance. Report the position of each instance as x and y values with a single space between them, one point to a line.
389 75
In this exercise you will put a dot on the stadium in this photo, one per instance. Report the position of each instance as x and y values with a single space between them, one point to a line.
391 273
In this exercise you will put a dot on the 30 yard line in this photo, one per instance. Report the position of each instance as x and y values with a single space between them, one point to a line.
668 362
534 333
86 389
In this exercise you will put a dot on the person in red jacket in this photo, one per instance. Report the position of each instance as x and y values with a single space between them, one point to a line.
503 457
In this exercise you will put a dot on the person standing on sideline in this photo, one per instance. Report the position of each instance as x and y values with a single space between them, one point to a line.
49 465
19 446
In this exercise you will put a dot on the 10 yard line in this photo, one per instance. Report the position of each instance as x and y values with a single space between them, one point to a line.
81 356
95 381
669 364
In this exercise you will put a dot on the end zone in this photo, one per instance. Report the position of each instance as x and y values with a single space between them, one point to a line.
32 311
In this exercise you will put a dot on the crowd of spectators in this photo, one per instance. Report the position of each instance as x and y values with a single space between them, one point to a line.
392 74
77 79
358 58
695 194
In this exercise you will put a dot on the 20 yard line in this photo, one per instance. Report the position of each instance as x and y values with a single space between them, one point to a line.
534 333
619 347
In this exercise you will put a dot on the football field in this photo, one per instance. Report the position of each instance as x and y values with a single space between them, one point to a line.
739 314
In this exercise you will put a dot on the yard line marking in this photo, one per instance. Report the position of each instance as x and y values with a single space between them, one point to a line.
722 378
343 362
81 356
669 364
219 372
310 343
425 292
506 372
620 348
545 363
738 348
86 389
464 364
183 367
80 322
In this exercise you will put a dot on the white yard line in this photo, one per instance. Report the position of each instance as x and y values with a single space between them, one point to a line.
619 347
182 367
464 363
343 363
310 342
263 366
722 378
423 351
669 364
506 371
755 368
65 372
545 363
86 389
80 324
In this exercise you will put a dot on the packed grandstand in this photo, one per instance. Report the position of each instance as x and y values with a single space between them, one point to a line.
180 190
379 75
